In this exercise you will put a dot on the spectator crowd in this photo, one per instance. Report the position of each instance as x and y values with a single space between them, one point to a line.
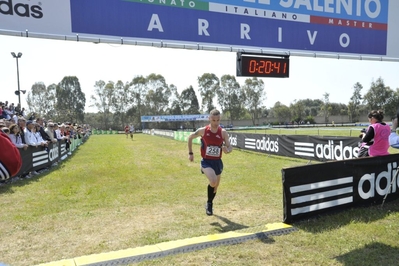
26 130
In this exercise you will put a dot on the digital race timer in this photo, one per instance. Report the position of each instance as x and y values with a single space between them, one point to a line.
262 65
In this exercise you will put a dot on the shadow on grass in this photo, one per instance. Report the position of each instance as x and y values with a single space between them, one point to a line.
336 219
232 226
370 254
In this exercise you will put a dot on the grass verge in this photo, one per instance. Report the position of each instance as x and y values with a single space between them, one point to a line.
114 194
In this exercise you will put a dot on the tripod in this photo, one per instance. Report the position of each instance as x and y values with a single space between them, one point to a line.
390 185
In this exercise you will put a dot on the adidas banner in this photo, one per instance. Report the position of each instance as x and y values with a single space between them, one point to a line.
36 158
320 148
312 189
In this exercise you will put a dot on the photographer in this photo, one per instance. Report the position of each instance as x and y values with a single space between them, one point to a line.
378 132
364 146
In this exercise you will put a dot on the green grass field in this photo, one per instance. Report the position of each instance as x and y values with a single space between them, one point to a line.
114 194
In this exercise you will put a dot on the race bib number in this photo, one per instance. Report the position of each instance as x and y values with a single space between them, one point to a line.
213 151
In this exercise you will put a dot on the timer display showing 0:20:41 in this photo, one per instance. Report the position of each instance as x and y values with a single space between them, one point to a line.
265 67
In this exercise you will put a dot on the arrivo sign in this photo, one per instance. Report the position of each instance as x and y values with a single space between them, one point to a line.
262 65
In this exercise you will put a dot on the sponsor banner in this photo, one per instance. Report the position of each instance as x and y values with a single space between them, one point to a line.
339 27
356 27
318 148
36 158
314 189
174 118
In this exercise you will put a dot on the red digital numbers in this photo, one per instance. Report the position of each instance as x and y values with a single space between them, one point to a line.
258 66
266 67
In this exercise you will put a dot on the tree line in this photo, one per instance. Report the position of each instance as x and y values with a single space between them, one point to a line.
120 103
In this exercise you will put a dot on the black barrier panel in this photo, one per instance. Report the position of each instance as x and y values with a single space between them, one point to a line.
36 158
305 147
313 189
319 148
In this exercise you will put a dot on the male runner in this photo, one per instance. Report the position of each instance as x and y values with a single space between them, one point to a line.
214 140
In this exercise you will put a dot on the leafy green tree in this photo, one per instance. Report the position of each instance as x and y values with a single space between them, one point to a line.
312 107
70 100
208 84
230 97
139 92
174 101
326 107
298 110
336 108
158 94
189 101
355 102
391 107
282 112
378 95
121 102
254 91
40 99
103 100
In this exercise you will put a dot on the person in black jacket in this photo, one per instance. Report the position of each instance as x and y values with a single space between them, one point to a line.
40 121
22 126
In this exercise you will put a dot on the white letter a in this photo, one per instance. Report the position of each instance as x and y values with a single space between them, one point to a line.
155 23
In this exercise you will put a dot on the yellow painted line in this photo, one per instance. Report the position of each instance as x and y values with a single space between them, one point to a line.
167 248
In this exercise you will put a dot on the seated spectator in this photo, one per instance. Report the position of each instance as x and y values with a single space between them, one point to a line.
39 137
16 138
18 109
31 138
50 132
32 116
12 108
79 132
23 112
40 123
22 126
6 113
58 134
14 118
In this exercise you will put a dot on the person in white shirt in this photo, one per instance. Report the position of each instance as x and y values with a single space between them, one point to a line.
15 118
31 137
50 132
38 135
58 133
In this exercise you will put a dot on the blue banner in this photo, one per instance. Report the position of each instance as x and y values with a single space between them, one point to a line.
174 118
356 27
